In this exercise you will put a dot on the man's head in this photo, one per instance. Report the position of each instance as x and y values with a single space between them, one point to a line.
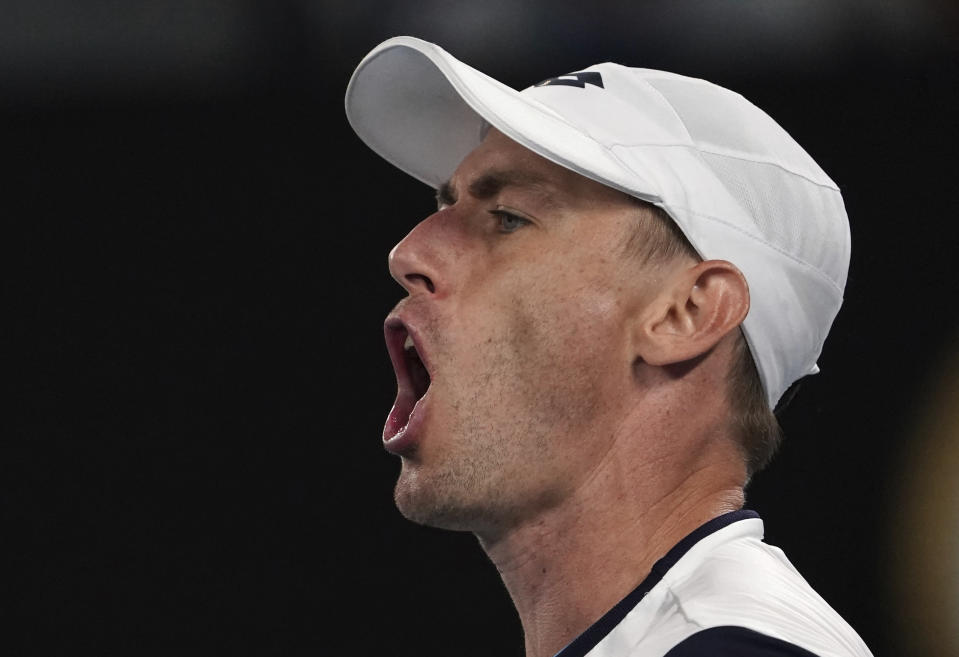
525 327
545 338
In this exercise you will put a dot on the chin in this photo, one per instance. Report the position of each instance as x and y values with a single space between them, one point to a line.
423 505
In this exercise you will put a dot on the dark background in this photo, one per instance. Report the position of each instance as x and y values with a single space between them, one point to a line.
197 279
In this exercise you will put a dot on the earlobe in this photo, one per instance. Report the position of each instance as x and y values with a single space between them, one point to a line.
694 311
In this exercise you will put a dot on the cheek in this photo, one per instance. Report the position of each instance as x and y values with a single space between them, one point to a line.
545 318
566 329
583 304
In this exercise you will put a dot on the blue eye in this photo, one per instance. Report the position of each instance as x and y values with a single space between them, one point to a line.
508 222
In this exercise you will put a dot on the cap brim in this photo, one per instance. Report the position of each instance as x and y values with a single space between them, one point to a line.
423 111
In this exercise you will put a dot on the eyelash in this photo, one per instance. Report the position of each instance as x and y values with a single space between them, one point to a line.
503 215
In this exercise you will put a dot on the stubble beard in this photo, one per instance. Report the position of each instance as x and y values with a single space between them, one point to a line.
502 463
473 484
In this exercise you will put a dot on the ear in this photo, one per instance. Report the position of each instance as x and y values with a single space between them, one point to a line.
696 308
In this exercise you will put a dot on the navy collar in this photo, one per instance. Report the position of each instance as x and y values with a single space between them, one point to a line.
586 641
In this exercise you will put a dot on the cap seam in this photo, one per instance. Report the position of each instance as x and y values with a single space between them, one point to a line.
671 109
832 187
790 256
609 146
772 163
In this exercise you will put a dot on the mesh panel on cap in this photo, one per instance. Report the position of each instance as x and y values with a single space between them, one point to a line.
789 200
785 213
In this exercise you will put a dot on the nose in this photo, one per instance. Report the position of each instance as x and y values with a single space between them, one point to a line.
419 261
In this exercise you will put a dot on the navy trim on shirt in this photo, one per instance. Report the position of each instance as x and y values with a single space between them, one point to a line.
586 641
731 641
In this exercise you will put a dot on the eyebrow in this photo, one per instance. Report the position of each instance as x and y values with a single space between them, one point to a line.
493 182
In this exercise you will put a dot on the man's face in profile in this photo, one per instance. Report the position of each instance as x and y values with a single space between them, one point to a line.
513 347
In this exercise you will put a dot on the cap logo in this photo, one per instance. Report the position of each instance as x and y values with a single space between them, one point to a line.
580 80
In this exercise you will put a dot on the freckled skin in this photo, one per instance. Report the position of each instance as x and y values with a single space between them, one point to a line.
527 337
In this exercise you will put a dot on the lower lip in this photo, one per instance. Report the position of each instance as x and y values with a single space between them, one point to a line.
405 440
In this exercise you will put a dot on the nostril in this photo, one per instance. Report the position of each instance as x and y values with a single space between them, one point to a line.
414 279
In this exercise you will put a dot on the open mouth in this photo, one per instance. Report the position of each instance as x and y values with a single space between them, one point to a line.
412 377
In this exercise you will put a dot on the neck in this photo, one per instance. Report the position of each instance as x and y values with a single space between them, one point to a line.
562 579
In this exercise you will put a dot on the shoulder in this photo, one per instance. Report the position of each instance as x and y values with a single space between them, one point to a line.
722 591
728 641
745 597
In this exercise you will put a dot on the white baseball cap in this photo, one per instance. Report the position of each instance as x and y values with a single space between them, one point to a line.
737 185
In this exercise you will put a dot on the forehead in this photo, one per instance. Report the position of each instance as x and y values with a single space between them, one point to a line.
498 154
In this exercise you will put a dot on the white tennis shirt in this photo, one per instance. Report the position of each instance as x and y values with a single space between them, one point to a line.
719 592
